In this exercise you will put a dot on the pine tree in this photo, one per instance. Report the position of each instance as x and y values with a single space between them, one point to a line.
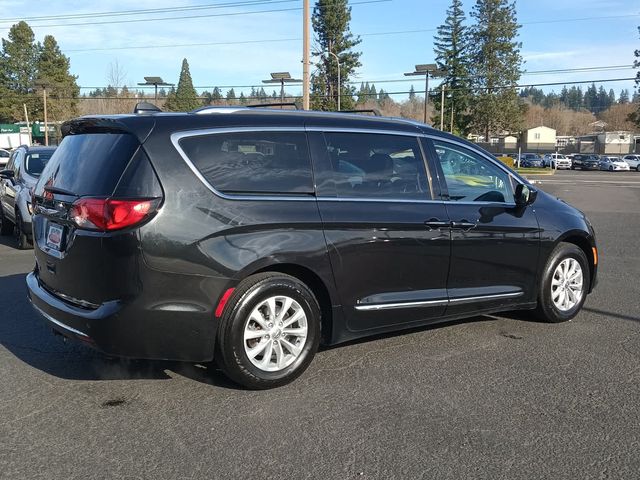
242 99
495 67
412 94
185 97
451 48
612 97
18 72
331 25
216 96
62 89
624 96
591 98
231 97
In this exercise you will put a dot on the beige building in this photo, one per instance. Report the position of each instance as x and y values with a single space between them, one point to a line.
606 143
539 139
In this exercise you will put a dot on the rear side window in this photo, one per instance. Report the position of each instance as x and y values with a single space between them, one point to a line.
35 162
88 164
252 162
375 166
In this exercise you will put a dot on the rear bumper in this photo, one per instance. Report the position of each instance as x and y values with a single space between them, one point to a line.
127 330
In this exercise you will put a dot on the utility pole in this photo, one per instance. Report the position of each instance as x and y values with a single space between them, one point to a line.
442 109
26 117
426 70
46 126
305 55
339 86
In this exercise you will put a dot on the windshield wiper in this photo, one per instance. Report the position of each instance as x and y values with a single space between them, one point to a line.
61 191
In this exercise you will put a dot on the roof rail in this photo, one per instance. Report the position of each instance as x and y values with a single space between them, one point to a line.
268 105
145 107
374 111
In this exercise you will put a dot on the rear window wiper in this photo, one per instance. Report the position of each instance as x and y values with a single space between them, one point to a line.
58 190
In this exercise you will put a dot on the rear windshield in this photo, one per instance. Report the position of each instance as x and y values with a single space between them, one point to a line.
35 162
88 164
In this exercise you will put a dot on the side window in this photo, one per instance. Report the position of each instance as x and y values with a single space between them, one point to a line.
17 163
471 177
371 165
252 162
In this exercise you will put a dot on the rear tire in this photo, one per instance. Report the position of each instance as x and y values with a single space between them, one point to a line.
6 227
21 238
556 286
256 347
638 168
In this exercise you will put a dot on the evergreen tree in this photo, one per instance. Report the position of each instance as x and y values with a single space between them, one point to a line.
242 99
62 89
162 93
612 98
495 67
591 98
231 97
262 95
373 93
331 25
216 96
574 100
185 97
18 71
624 96
451 48
412 93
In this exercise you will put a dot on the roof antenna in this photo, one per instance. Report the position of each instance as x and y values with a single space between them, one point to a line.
145 107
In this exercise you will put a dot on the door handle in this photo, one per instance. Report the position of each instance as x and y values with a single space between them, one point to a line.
462 225
435 224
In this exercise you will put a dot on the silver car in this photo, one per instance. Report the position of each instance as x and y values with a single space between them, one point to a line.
16 181
613 164
633 161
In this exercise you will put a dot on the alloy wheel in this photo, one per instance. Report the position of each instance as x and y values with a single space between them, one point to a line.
567 284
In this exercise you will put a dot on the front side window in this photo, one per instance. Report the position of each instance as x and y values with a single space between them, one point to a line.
252 162
471 177
376 166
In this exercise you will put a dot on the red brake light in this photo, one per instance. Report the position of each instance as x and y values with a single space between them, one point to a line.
110 214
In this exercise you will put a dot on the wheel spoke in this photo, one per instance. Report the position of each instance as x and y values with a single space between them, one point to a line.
556 294
257 317
266 359
294 349
555 281
286 305
271 305
279 355
293 318
250 334
297 332
255 351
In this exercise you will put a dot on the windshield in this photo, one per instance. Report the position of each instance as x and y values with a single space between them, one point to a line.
35 162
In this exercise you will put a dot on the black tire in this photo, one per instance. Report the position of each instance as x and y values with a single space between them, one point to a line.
638 168
546 309
21 238
230 353
611 169
6 227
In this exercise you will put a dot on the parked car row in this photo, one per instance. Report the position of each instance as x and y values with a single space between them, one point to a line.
582 161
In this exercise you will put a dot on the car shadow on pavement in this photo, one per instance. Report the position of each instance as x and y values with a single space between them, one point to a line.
27 337
612 314
9 241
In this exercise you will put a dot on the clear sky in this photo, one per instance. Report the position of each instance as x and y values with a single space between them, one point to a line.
556 34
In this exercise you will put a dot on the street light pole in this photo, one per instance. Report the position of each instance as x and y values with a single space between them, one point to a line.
46 126
155 81
305 56
338 62
281 78
426 70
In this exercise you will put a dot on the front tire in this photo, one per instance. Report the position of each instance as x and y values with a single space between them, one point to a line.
269 331
565 283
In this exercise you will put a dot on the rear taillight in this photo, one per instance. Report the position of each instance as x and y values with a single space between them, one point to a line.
110 213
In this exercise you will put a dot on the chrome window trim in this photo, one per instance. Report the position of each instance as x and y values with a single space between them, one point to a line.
435 303
378 131
60 324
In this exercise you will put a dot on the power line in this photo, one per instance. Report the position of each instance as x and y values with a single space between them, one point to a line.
431 92
356 82
209 15
117 13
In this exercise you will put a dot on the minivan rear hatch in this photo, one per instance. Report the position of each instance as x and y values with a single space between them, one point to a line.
97 188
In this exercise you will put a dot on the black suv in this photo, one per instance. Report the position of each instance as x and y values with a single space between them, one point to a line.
585 162
253 236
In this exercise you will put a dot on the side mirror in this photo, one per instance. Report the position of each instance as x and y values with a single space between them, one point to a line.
6 173
525 195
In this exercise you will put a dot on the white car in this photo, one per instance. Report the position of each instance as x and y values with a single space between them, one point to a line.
556 160
613 164
633 161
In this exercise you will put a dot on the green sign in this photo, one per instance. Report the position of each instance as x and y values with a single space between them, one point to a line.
37 129
9 128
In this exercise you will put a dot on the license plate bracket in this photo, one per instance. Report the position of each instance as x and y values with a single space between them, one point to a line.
55 235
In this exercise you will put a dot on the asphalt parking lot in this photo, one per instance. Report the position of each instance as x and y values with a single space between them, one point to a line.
492 397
